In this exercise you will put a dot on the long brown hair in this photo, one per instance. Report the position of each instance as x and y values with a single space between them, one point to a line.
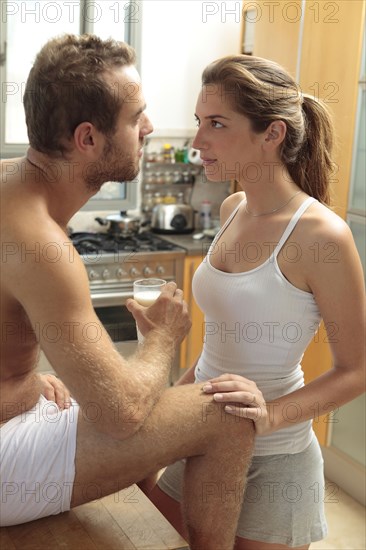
264 92
67 86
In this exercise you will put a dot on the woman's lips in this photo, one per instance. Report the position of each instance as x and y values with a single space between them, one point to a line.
207 162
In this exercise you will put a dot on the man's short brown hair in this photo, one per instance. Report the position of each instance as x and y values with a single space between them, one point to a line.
66 87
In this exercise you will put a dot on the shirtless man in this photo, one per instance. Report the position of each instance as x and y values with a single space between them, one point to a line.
86 125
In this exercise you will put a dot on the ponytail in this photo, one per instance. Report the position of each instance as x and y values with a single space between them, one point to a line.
313 167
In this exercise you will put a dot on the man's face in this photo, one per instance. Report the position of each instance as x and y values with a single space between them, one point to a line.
122 151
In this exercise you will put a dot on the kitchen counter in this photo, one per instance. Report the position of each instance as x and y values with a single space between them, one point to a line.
193 247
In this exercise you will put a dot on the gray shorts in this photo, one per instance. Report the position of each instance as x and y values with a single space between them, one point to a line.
283 501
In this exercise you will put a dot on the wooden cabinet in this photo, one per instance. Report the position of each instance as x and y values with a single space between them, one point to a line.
276 30
329 69
192 345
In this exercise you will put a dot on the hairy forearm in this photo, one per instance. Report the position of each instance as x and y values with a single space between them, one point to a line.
118 393
320 397
151 365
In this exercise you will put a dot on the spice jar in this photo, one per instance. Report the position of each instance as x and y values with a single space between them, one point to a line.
170 199
159 178
168 178
158 199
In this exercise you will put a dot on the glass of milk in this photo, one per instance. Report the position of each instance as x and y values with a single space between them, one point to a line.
145 292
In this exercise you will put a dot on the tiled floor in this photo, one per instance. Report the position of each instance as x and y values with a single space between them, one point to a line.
346 524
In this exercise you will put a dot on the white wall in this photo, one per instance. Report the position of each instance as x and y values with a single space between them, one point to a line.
179 38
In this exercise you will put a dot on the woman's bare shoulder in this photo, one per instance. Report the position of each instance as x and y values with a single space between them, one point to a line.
229 205
322 222
327 244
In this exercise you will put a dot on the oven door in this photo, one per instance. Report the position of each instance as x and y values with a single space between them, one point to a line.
120 325
109 306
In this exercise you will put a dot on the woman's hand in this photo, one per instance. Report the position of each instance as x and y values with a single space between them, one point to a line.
243 399
54 390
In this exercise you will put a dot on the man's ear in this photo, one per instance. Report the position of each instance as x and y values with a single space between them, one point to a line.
85 137
275 133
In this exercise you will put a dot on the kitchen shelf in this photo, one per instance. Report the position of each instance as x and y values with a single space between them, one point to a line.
163 180
188 165
154 186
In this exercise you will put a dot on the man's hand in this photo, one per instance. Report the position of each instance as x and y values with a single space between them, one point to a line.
54 390
168 314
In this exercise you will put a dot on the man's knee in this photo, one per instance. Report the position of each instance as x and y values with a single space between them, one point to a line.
211 415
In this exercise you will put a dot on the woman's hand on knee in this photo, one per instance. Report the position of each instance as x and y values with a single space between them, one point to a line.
242 398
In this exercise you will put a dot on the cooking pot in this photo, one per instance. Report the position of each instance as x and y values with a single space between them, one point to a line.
121 224
172 218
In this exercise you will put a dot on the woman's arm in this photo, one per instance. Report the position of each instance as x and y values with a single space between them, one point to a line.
188 377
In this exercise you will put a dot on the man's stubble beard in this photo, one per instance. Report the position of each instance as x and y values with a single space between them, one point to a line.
114 165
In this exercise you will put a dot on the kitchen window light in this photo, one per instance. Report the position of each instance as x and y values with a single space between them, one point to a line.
25 26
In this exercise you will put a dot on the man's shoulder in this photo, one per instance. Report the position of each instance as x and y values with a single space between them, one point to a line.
31 240
37 240
15 200
6 163
11 170
25 217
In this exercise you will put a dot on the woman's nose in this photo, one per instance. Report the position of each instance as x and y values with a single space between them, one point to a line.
198 142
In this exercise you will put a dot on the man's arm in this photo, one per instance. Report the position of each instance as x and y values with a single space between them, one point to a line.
55 296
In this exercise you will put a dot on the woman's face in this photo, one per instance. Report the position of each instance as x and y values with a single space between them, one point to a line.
229 148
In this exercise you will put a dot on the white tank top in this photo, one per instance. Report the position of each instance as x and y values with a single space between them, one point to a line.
258 325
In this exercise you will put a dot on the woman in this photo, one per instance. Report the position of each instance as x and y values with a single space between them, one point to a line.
264 290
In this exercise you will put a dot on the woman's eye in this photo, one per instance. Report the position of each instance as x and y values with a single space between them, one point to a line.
216 124
197 122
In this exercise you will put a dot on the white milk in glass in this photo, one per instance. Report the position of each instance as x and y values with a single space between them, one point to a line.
147 297
146 292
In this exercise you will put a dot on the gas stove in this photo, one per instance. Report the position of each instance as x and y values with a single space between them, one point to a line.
104 243
113 262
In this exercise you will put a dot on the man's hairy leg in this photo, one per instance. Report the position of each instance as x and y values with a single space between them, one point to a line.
184 423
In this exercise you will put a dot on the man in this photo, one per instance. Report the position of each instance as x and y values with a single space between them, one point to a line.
86 124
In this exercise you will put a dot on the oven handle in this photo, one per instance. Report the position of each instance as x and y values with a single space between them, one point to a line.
107 299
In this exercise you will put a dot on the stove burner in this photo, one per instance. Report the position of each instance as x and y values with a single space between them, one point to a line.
86 243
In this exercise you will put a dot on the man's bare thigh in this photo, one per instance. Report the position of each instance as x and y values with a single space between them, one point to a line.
181 424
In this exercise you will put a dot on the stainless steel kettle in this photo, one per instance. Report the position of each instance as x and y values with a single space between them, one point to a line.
172 218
